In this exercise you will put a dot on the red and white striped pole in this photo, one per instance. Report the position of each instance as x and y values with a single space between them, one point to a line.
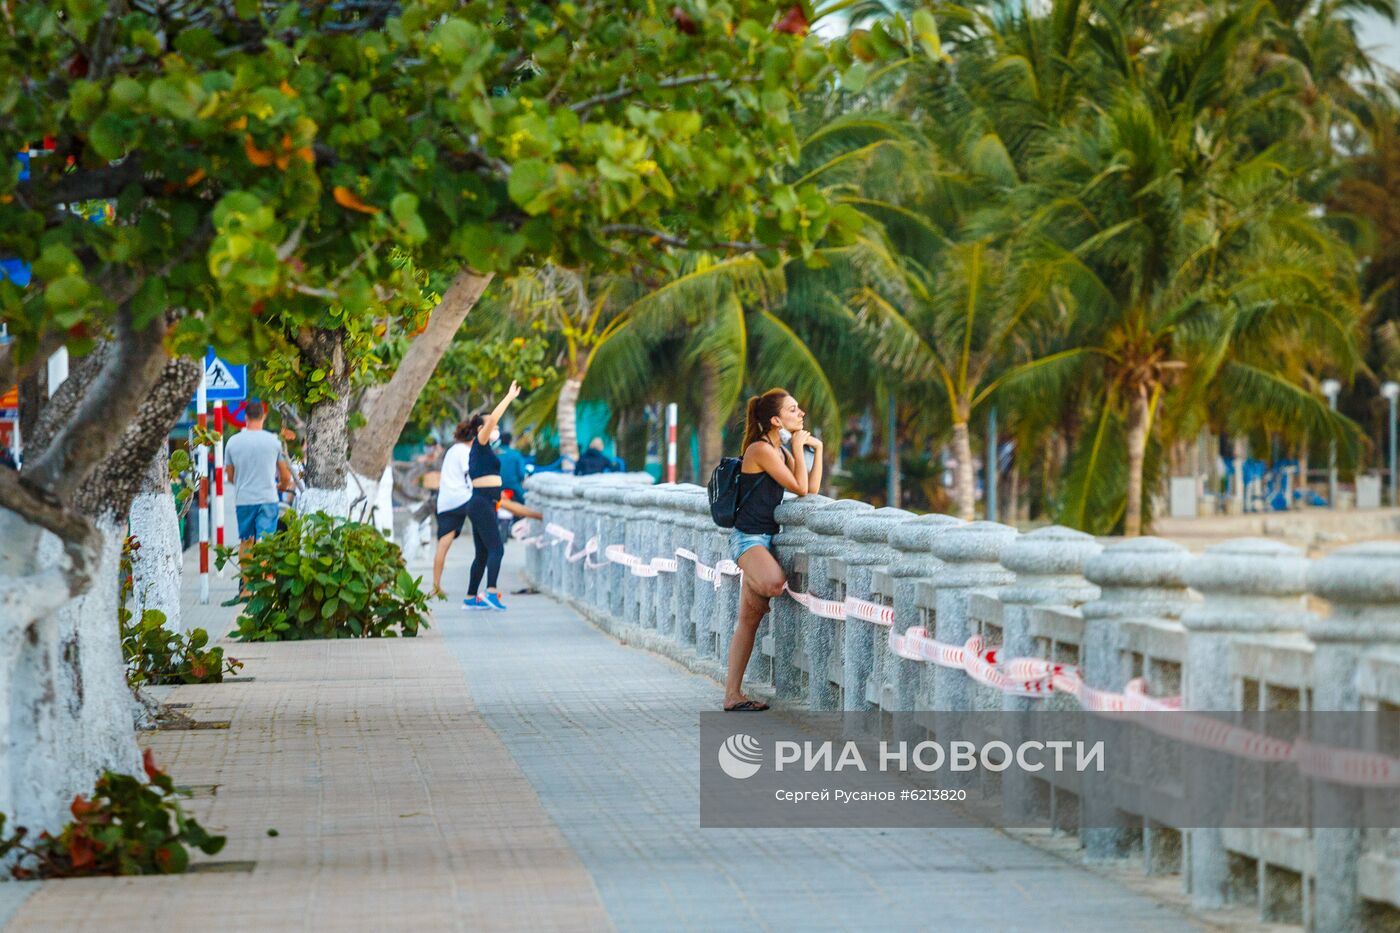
201 411
671 443
219 473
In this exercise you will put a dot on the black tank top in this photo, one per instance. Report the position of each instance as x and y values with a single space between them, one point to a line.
482 461
759 495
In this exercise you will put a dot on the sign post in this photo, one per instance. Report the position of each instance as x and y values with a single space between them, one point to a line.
201 459
222 382
671 442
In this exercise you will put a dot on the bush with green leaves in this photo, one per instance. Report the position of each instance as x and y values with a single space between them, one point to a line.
326 577
155 655
127 828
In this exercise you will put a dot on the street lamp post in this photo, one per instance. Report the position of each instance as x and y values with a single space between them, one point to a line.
1391 391
1330 388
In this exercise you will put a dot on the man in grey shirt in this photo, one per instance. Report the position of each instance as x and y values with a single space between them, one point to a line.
253 463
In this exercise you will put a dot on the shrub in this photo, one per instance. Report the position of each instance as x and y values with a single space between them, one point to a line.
325 577
155 655
126 828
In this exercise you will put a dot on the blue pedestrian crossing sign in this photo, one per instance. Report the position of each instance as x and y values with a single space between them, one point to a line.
224 382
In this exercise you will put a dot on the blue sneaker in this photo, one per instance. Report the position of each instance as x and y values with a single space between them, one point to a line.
494 601
475 602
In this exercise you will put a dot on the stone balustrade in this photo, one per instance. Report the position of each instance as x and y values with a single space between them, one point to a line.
1245 625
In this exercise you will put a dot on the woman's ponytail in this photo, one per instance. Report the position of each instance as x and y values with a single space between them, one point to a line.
760 410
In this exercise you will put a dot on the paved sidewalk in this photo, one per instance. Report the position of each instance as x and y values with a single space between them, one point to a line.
525 771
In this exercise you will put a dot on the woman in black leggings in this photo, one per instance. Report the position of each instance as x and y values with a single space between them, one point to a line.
484 469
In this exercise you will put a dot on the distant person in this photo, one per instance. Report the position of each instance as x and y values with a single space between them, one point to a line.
432 453
254 464
512 479
484 469
454 491
593 460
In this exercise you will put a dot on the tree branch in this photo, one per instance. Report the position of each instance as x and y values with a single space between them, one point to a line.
672 240
684 81
109 402
38 506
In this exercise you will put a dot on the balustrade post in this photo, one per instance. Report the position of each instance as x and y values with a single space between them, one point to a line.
971 556
786 616
914 563
868 548
1048 564
695 514
1362 584
1250 586
1140 578
670 504
822 637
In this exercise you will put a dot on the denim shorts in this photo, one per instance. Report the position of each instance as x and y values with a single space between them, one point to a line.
256 521
741 541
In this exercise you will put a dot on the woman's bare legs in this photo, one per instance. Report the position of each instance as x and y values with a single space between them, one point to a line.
439 559
763 579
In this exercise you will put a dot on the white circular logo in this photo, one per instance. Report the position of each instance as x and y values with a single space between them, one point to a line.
740 756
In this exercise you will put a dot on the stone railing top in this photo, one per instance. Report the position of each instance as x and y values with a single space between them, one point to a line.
1049 567
874 527
1364 574
831 520
1250 585
1139 562
1362 584
795 511
917 533
1138 578
1256 566
1050 552
972 543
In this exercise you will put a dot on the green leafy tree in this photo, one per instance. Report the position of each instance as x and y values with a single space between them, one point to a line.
264 161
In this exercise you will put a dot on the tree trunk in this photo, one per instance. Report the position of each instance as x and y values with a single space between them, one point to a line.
964 479
33 396
68 713
387 407
326 475
1137 451
710 428
155 565
1013 492
566 415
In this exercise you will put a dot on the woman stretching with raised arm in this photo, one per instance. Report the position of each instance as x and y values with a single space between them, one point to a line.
767 470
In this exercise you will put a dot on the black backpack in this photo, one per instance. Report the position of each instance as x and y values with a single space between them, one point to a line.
724 491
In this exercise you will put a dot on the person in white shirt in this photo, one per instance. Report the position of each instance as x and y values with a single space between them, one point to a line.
454 491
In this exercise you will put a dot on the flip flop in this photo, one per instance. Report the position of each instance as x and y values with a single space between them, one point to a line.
748 706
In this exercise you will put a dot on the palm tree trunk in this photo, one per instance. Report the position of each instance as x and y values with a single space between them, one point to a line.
1137 451
964 480
386 408
566 415
710 427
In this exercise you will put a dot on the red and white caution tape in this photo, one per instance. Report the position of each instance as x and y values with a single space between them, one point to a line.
1035 677
589 548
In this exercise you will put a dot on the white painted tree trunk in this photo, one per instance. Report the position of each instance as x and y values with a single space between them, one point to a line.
155 566
71 713
566 416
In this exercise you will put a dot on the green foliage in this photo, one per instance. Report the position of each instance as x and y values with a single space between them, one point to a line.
324 577
127 827
274 156
155 655
477 369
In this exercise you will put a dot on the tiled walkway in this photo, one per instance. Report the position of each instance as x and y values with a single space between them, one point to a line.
525 771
